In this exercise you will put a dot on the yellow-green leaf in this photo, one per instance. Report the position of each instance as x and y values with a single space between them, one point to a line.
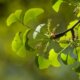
11 19
56 6
63 56
18 14
32 14
70 60
53 58
43 63
14 17
17 42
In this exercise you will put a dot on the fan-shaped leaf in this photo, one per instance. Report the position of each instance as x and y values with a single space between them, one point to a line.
18 14
11 19
53 58
32 14
17 42
26 40
43 63
14 17
56 6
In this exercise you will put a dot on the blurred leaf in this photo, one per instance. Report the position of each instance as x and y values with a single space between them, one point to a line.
14 17
21 52
71 24
36 61
78 69
68 35
78 53
17 42
11 19
43 63
32 14
78 32
70 60
18 14
37 30
56 6
25 35
26 39
64 58
53 58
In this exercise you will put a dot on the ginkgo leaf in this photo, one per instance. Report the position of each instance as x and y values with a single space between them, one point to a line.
14 17
11 19
17 42
56 6
53 58
25 35
18 14
63 56
21 52
26 40
71 24
32 14
70 60
43 63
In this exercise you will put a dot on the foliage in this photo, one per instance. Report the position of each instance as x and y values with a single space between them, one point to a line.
48 52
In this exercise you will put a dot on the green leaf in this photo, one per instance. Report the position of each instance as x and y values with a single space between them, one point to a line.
25 36
32 14
21 52
63 58
14 17
56 6
70 60
18 14
53 58
72 24
43 63
17 42
26 40
11 19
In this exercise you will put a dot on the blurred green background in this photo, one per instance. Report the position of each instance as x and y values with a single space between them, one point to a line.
15 67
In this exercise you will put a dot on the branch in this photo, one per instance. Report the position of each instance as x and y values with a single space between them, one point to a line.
55 36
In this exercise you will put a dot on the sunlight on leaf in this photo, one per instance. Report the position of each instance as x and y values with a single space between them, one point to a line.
37 30
63 56
78 15
63 44
56 6
11 19
18 14
32 14
53 58
43 63
71 24
25 35
17 42
14 17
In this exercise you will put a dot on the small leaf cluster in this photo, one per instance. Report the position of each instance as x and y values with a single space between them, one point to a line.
47 52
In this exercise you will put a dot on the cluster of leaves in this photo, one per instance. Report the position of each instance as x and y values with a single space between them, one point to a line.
37 41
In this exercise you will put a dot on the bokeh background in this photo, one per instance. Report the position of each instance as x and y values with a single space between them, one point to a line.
15 67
